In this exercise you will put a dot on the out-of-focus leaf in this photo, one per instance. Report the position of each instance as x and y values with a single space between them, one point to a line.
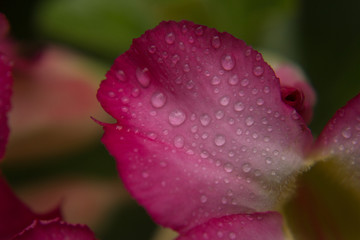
107 27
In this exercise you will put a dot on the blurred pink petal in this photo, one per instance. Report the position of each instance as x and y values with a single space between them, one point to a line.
85 201
340 139
295 90
5 87
201 126
14 215
56 94
256 226
55 230
5 93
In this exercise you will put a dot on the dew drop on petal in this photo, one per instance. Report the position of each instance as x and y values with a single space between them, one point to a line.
143 77
244 82
346 133
177 117
219 114
170 38
239 106
224 101
258 71
215 80
228 167
219 140
246 167
227 62
215 42
152 49
205 120
158 99
249 121
260 101
179 141
233 80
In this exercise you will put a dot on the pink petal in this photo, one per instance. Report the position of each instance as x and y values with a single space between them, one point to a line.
14 215
256 226
340 138
5 93
55 230
202 131
4 26
295 89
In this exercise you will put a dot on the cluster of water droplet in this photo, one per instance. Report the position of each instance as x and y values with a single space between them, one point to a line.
216 116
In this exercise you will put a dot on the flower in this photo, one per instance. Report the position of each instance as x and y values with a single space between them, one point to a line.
207 139
17 221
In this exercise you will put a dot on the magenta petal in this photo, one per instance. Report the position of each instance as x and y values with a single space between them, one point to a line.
5 93
340 138
256 226
202 131
55 230
14 215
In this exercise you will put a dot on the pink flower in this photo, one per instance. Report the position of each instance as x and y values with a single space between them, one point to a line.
207 139
17 221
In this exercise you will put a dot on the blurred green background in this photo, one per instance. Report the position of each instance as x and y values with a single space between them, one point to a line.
323 37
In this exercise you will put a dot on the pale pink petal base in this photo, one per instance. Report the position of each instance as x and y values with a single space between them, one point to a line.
202 130
55 230
340 139
256 226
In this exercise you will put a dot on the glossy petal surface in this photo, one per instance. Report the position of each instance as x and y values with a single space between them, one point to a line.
55 230
257 226
340 139
201 125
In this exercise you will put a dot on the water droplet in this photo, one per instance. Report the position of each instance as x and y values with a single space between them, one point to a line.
268 160
111 94
246 167
142 76
205 120
220 140
260 101
244 82
120 75
204 154
152 49
227 62
233 80
135 92
249 121
247 52
228 167
215 80
215 42
199 31
175 58
145 174
258 71
224 101
232 235
179 141
239 106
190 84
186 67
219 114
346 132
158 99
177 117
170 38
203 199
